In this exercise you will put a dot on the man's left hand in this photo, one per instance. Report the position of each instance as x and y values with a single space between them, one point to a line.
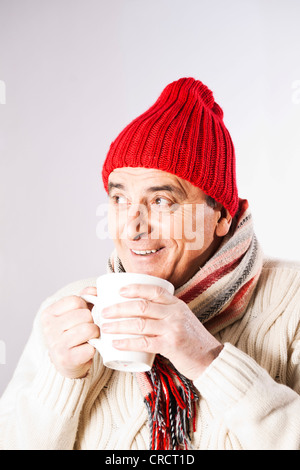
165 326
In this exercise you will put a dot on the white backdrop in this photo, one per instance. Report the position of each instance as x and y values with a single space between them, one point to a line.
73 73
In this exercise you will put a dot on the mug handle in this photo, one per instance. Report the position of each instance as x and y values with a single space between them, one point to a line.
92 299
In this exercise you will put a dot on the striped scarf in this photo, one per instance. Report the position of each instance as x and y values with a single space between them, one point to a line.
218 295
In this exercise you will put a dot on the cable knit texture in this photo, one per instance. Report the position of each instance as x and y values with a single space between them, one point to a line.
249 395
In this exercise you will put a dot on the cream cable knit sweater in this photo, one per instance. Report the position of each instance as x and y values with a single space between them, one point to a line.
249 394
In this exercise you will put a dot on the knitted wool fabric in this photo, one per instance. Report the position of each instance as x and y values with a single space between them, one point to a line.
183 133
218 294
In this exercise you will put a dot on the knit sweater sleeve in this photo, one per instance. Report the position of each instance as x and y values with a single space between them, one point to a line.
261 413
40 408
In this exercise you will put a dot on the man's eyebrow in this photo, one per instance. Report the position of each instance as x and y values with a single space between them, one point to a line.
152 189
166 187
115 185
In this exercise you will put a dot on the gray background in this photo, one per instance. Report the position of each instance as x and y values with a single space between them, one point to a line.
76 72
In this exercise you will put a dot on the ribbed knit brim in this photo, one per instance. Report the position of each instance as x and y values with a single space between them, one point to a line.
183 133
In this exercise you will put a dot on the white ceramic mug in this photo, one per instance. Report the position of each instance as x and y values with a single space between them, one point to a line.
108 287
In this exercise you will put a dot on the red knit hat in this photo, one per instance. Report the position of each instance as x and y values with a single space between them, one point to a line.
183 133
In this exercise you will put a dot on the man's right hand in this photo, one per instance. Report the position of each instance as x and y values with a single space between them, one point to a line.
67 326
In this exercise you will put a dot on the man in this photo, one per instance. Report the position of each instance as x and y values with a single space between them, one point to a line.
227 343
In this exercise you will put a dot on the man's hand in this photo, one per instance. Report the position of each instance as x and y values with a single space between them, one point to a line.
167 326
67 326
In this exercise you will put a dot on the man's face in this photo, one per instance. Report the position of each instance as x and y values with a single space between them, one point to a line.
161 224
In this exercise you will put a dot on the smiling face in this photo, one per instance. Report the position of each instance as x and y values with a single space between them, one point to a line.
161 224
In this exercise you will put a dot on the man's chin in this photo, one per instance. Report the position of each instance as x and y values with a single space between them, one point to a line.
152 269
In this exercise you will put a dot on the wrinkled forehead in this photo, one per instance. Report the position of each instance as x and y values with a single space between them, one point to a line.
140 178
140 172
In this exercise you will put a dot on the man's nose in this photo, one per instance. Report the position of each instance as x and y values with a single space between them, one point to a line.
137 223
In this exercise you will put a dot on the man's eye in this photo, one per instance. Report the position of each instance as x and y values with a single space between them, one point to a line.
162 204
119 200
161 201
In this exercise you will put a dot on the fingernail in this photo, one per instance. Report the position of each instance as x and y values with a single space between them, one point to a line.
105 312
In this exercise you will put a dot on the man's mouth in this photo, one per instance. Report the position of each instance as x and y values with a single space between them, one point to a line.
145 252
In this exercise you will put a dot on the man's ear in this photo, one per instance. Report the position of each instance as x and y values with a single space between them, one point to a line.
224 223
